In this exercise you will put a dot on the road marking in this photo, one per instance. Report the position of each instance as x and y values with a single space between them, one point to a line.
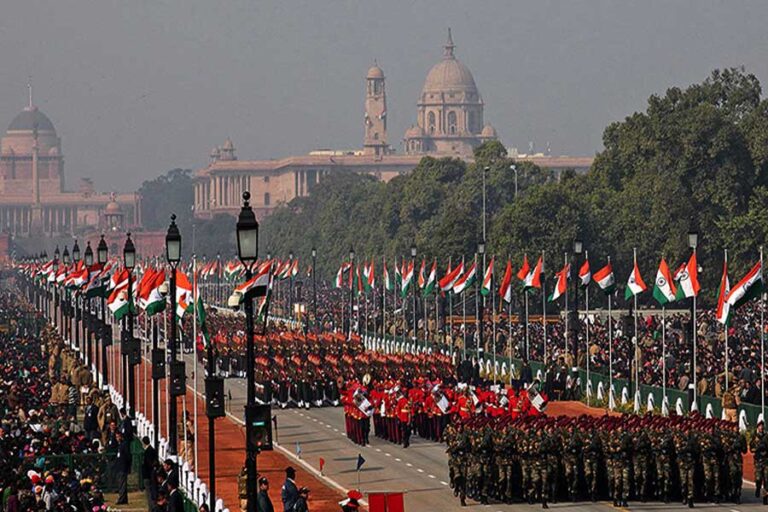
388 454
409 464
335 430
444 483
378 450
431 476
398 459
419 470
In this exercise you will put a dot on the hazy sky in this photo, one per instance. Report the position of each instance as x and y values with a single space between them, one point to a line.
138 87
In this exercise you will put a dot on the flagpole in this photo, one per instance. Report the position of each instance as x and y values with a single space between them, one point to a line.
637 370
695 348
527 341
194 349
493 316
384 302
464 320
610 351
509 322
762 343
565 258
725 329
544 308
663 358
478 320
586 330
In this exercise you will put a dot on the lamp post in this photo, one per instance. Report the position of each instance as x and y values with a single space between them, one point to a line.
290 284
248 252
578 249
314 287
414 286
351 282
129 260
104 332
88 261
693 242
480 302
173 256
76 297
56 312
65 259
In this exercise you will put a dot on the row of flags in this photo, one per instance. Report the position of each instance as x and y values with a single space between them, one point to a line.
668 286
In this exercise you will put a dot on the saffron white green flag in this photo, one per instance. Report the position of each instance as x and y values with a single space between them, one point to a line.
487 279
635 283
664 289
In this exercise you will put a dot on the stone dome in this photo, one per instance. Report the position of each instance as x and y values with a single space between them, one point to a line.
29 119
113 208
375 72
488 132
449 75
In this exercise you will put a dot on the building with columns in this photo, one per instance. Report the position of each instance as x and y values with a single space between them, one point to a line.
449 122
34 200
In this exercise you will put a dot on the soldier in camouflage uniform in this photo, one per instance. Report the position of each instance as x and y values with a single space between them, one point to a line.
686 449
711 453
572 453
735 446
664 451
458 448
525 446
487 479
504 449
641 454
540 447
475 465
759 448
620 451
592 451
554 452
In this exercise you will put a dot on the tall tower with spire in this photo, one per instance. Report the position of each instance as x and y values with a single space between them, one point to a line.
375 141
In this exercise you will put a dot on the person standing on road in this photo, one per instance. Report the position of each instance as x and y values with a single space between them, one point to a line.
289 493
302 504
263 502
122 468
148 472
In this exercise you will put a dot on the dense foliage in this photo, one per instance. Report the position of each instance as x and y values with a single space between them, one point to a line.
695 159
173 192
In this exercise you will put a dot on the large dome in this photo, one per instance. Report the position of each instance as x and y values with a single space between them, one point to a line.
449 75
31 119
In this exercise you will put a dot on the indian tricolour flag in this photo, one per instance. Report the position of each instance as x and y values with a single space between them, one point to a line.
387 281
466 280
407 276
429 286
664 290
505 290
585 274
723 313
525 269
533 278
605 278
184 300
369 275
485 290
451 276
344 268
687 278
150 298
561 283
748 288
635 283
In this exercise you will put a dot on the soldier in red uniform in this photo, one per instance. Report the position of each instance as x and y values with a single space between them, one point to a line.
404 419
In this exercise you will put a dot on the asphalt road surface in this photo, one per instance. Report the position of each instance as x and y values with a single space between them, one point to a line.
421 470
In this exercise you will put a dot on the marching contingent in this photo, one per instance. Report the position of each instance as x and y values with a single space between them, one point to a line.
501 444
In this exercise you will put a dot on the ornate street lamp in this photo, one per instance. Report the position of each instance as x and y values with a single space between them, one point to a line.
413 285
129 261
248 252
314 285
102 255
351 282
479 301
177 378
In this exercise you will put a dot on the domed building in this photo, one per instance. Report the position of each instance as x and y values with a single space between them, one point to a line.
34 200
450 110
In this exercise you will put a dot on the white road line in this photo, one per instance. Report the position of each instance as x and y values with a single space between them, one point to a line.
409 464
335 430
398 459
444 483
431 476
419 470
378 450
388 454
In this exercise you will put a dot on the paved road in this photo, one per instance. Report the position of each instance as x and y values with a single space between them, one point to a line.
421 470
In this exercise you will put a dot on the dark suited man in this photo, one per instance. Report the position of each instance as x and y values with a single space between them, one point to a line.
263 502
126 425
122 468
289 493
148 472
91 419
175 501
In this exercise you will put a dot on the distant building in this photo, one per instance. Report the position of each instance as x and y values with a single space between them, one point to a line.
449 122
34 201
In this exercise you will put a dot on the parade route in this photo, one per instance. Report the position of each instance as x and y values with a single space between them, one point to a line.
420 470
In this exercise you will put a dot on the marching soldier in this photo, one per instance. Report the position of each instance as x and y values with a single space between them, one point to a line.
686 460
504 449
759 448
640 455
710 461
664 449
735 446
620 450
592 453
571 457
